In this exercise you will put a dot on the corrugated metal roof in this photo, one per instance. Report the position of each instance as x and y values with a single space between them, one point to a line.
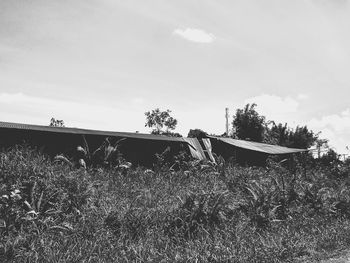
196 149
20 126
208 148
258 147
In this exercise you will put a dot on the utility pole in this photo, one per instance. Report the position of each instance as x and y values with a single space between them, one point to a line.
226 115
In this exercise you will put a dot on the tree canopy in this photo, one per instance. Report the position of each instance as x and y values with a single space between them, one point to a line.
197 133
248 124
161 122
300 137
56 123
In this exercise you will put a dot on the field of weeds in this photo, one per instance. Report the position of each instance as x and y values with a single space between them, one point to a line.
50 212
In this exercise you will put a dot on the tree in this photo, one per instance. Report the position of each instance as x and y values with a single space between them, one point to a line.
197 133
302 137
248 124
56 123
278 134
282 135
158 120
321 144
331 157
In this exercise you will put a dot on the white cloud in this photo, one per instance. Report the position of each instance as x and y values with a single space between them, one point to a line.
337 122
195 35
346 112
274 107
303 96
137 101
19 107
335 127
12 97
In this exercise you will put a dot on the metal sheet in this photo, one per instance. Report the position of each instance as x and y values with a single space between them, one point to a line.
207 145
195 148
19 126
258 147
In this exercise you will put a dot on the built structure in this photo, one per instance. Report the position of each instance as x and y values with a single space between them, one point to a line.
138 148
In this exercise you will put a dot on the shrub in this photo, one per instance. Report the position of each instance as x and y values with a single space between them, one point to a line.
206 213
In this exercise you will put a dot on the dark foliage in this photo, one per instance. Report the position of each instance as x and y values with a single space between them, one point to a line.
197 133
56 123
50 212
159 120
248 124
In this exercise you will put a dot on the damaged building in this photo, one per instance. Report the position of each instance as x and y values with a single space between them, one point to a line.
248 152
137 148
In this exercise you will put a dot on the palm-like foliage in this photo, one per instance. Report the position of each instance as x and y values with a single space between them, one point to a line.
105 155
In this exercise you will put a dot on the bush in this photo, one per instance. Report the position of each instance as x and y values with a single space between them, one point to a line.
222 213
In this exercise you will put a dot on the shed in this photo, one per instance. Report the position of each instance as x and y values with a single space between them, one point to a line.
138 148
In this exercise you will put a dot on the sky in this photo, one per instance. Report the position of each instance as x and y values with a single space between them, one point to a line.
101 64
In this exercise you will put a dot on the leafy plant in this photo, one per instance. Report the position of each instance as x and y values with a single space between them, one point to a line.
56 123
107 154
158 120
205 213
202 210
248 124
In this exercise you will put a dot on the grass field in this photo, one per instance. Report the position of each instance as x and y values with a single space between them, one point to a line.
50 212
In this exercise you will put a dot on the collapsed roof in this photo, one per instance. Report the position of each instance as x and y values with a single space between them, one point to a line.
258 147
200 151
139 147
20 126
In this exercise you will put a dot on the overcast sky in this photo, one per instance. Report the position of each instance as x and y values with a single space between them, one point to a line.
101 64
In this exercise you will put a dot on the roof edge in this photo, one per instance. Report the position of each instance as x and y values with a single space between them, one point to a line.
254 146
73 130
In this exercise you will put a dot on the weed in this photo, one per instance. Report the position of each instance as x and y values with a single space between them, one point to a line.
197 212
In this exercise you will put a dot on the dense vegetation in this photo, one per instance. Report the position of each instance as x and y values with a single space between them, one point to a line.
248 124
50 212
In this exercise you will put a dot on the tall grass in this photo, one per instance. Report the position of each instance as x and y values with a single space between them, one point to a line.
50 212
